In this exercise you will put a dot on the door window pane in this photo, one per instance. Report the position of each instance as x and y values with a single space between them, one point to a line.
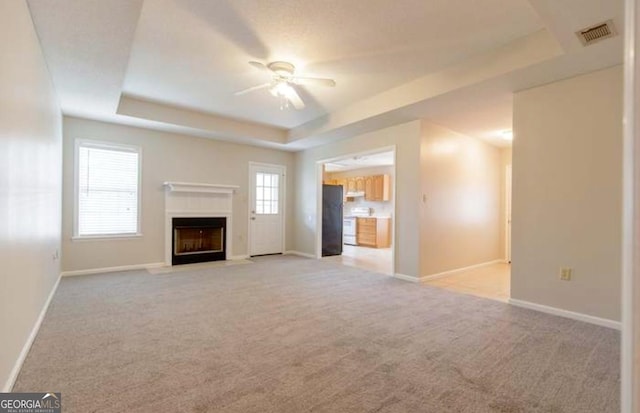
267 188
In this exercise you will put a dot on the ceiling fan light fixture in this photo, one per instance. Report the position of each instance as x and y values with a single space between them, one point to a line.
283 69
281 89
283 83
284 92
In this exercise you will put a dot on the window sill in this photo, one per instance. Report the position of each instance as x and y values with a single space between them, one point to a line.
113 237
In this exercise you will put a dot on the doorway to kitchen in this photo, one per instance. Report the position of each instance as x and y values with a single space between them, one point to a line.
357 210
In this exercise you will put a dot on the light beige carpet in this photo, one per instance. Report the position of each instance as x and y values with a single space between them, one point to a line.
290 334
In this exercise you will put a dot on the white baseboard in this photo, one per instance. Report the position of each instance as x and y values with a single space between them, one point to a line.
113 269
458 270
405 277
300 254
239 257
604 322
8 386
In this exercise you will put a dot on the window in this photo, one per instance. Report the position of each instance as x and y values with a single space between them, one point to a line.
107 189
267 193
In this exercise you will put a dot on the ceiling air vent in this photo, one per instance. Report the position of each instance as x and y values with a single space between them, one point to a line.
596 33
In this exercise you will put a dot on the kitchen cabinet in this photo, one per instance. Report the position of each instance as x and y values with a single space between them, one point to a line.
381 188
377 188
359 184
373 232
368 188
351 184
374 187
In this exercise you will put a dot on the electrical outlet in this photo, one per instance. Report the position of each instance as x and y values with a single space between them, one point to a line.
566 274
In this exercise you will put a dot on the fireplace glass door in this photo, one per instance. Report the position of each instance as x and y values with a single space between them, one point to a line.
198 240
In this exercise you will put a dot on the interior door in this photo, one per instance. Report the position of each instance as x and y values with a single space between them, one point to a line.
266 209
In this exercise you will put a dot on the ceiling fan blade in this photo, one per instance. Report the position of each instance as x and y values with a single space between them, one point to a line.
302 80
251 89
295 99
259 66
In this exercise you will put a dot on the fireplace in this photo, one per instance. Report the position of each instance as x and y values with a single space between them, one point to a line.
198 240
201 207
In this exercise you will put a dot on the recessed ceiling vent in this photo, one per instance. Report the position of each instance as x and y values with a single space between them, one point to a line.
596 33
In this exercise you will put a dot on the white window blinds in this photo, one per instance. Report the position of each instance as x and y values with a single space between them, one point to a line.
107 189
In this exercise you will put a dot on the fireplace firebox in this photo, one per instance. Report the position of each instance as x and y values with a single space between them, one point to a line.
198 240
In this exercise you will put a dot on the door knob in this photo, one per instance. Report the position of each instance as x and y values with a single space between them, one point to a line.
253 218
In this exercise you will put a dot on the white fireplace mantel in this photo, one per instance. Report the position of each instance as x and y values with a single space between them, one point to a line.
200 188
186 199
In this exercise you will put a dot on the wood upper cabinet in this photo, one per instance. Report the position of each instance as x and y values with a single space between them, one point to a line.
360 184
377 188
351 184
368 189
373 232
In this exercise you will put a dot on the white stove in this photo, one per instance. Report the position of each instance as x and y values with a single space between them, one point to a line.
349 224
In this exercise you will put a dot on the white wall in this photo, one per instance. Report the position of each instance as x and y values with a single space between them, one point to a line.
567 193
165 157
406 138
30 183
461 212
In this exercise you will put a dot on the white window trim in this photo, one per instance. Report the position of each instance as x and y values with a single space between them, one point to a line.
111 146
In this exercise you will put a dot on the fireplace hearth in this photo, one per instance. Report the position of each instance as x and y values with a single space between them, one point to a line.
198 240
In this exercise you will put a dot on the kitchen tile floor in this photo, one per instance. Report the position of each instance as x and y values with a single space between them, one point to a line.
493 281
372 259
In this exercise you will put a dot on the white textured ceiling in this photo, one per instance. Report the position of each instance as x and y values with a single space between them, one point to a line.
87 44
455 62
194 53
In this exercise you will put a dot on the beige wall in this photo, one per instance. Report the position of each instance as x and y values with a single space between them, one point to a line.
461 212
567 193
30 183
406 138
378 208
165 157
505 159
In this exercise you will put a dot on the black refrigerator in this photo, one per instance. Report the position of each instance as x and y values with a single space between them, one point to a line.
331 220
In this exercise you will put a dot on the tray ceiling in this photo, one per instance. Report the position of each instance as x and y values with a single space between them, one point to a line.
175 64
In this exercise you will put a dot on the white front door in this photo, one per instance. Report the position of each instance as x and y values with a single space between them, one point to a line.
266 208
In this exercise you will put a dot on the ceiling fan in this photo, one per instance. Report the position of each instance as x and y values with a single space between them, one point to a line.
283 83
